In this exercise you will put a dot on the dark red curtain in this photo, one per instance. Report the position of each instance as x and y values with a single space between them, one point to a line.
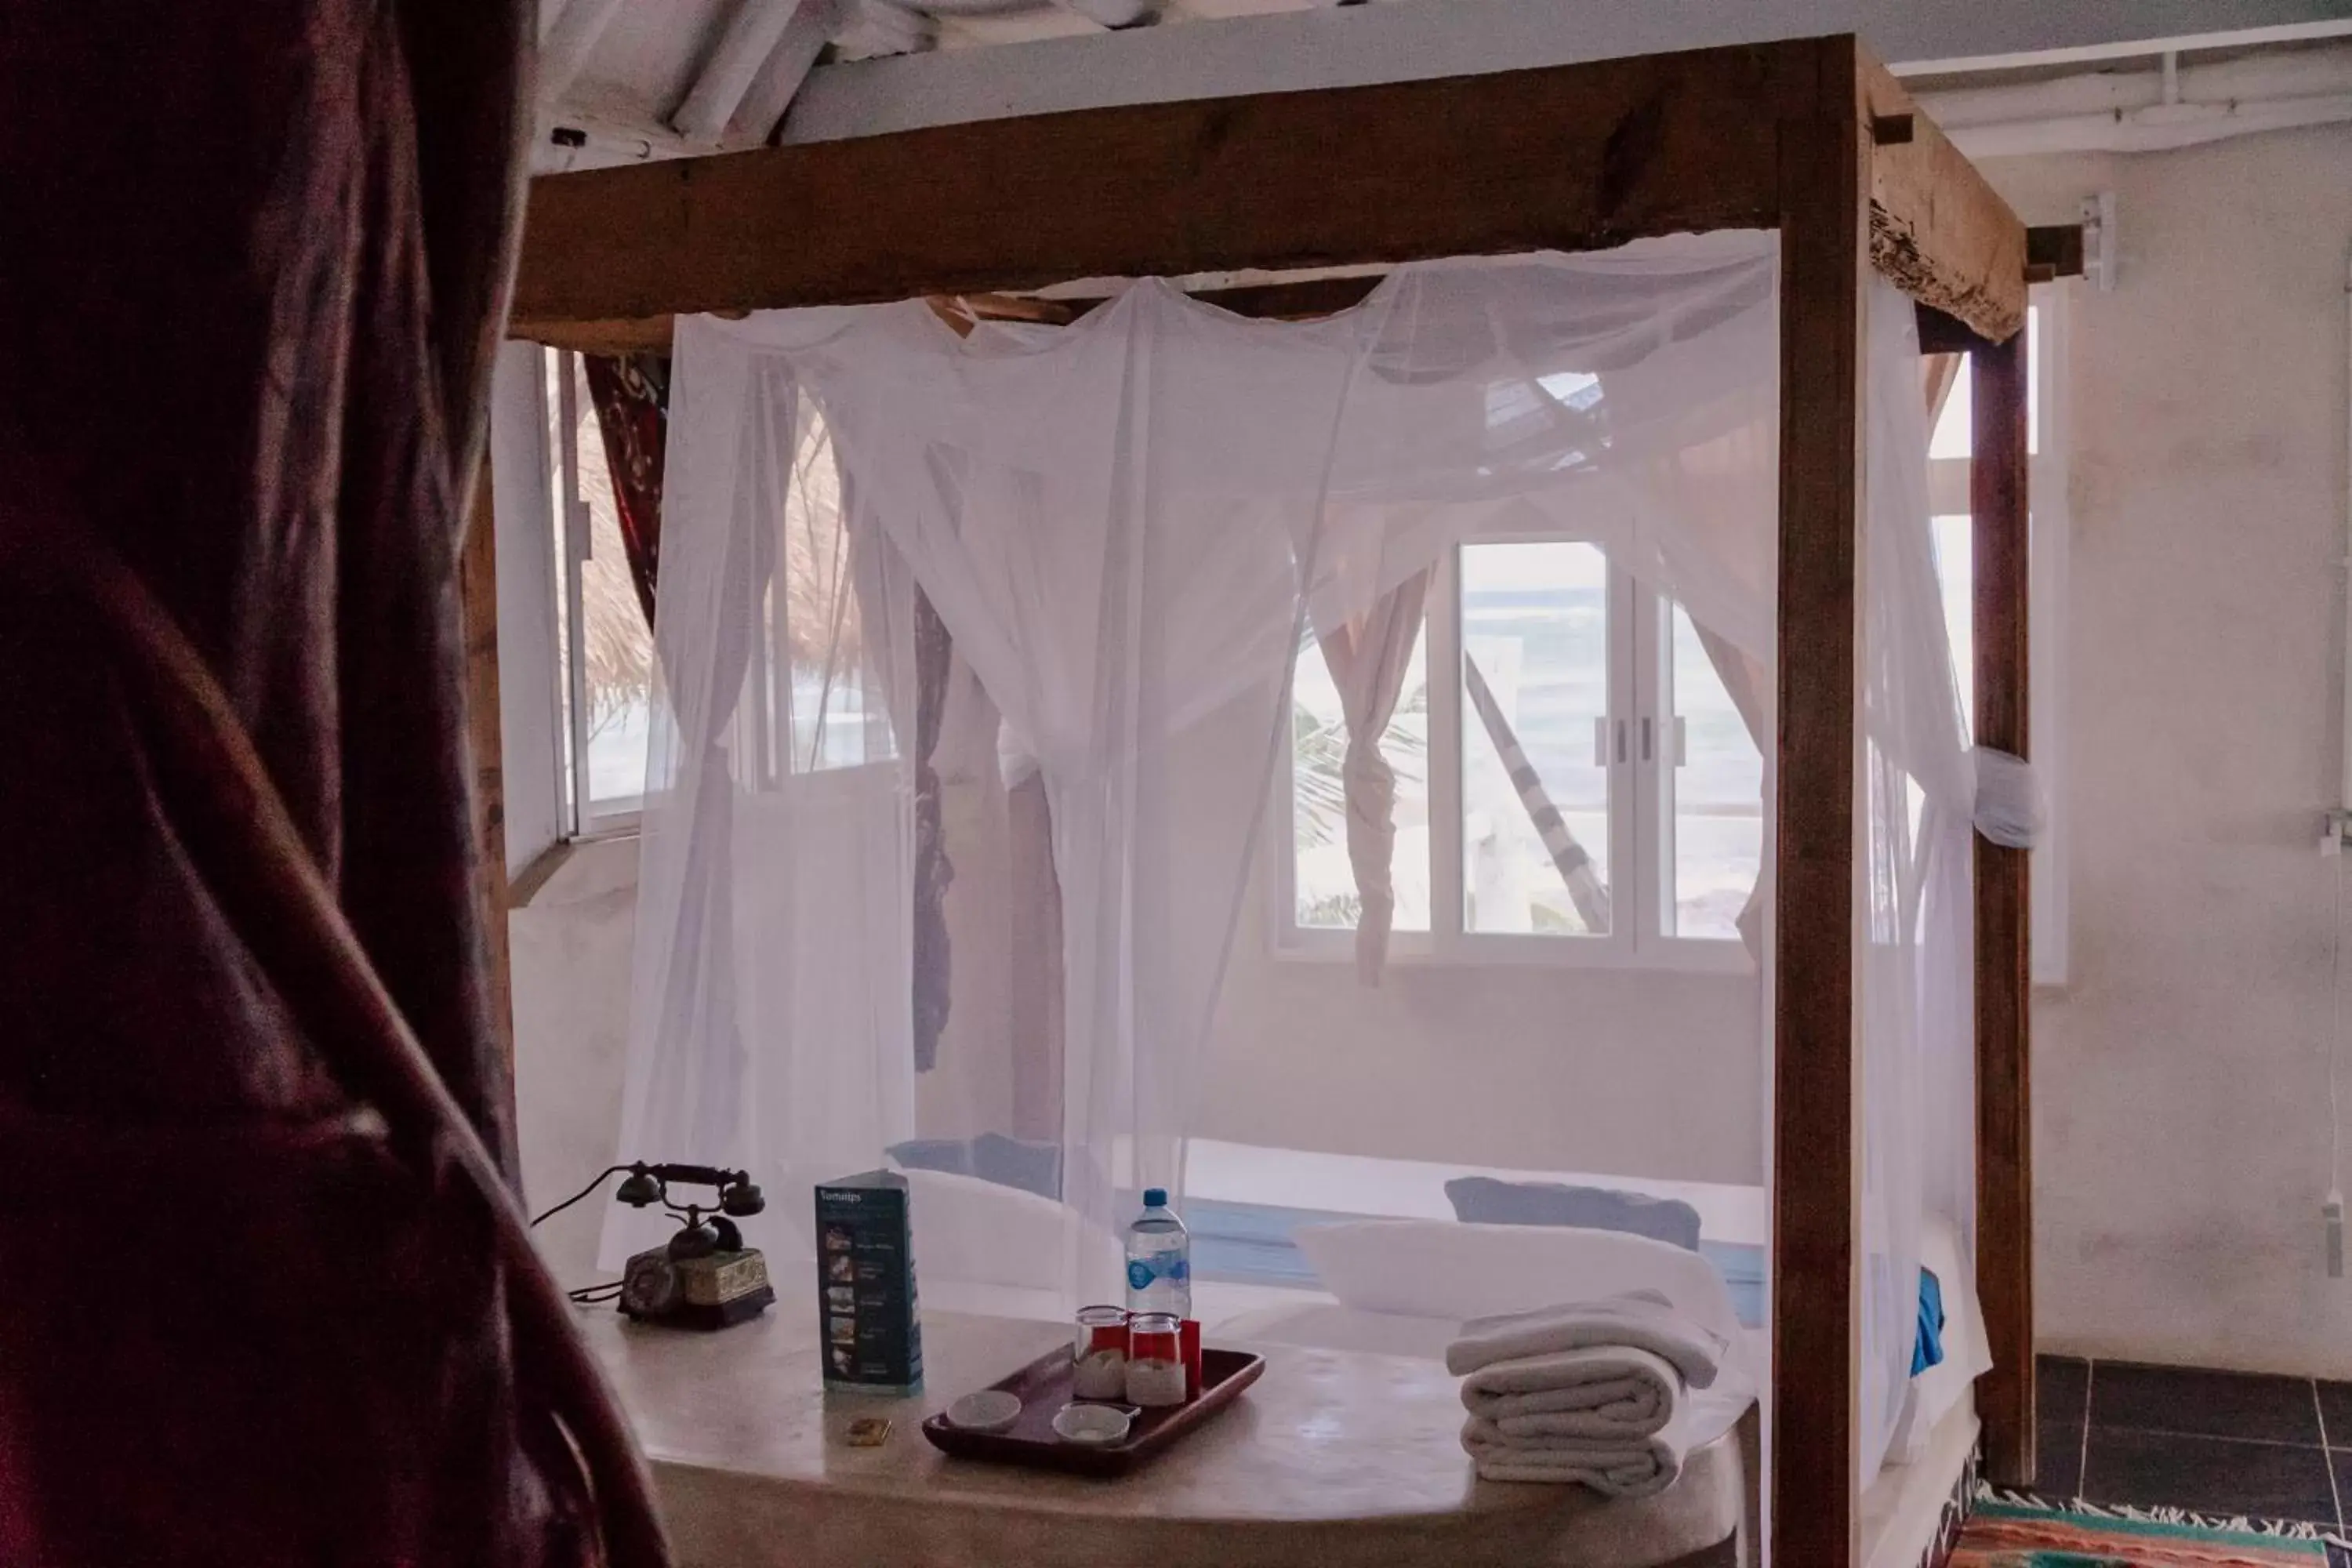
631 392
259 1307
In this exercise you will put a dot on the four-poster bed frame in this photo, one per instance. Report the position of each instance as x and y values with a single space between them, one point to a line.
1810 137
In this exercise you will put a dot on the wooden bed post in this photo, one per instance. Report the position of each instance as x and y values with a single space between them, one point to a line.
1816 1151
1997 497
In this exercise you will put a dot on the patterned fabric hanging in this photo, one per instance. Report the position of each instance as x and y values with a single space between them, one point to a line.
933 871
631 393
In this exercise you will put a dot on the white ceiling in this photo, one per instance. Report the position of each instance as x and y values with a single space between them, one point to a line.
635 63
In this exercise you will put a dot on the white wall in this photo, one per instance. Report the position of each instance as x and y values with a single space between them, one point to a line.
1513 1065
2181 1130
572 946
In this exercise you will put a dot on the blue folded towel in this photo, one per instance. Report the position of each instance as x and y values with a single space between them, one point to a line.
1929 1351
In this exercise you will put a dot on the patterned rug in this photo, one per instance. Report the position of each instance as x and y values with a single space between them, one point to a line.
2008 1530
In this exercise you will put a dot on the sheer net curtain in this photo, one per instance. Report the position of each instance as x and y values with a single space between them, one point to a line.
1126 525
1914 903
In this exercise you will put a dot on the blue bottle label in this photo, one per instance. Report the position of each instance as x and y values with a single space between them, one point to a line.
1140 1272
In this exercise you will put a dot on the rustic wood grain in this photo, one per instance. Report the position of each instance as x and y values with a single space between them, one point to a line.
2003 554
1936 226
1816 1338
1572 157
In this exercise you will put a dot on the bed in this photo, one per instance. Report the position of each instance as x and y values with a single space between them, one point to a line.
1807 143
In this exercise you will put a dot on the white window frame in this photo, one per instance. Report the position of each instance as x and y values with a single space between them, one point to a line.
2048 475
1640 816
541 514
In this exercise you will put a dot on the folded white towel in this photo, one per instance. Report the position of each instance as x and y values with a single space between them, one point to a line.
1639 1320
1609 1390
1623 1467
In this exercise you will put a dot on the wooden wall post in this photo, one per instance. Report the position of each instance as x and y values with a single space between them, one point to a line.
477 601
2004 553
1816 1329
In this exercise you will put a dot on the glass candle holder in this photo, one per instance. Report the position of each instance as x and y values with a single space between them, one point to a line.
1155 1359
1099 1370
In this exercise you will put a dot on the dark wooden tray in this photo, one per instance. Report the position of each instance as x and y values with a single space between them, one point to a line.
1043 1387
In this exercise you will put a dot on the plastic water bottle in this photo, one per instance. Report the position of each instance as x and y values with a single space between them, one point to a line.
1159 1259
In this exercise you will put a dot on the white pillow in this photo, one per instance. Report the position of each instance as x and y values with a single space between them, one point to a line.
1445 1269
972 1232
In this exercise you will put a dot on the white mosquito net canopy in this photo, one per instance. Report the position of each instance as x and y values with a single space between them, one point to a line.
1071 566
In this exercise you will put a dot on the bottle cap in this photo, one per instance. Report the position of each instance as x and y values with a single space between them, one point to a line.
1155 1198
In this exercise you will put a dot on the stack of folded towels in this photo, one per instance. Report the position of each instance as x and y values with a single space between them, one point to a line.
1595 1394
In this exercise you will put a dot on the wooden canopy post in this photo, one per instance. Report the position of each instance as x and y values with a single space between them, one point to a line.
2004 977
1816 1148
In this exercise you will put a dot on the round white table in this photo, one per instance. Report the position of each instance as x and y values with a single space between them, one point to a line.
1331 1458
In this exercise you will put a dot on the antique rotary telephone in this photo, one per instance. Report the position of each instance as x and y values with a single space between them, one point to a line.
703 1276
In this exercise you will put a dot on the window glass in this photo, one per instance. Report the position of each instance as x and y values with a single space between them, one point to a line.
559 491
1955 426
1714 777
1323 882
1956 570
835 697
1534 793
616 644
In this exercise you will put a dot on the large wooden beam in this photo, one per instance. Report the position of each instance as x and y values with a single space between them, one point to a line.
1936 226
1572 157
1824 175
2003 553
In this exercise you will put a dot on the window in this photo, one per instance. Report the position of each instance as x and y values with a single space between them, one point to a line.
811 702
1575 783
2046 483
816 702
604 648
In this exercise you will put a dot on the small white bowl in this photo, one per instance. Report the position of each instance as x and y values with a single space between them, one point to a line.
989 1410
1095 1425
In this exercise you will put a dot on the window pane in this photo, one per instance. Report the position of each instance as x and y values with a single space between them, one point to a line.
616 641
1955 426
835 700
1534 805
1715 788
1323 880
552 362
1956 568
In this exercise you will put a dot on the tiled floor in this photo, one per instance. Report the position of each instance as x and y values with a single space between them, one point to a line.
2215 1442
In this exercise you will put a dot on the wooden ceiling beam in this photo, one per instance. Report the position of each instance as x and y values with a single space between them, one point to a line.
1937 226
1573 157
1569 157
